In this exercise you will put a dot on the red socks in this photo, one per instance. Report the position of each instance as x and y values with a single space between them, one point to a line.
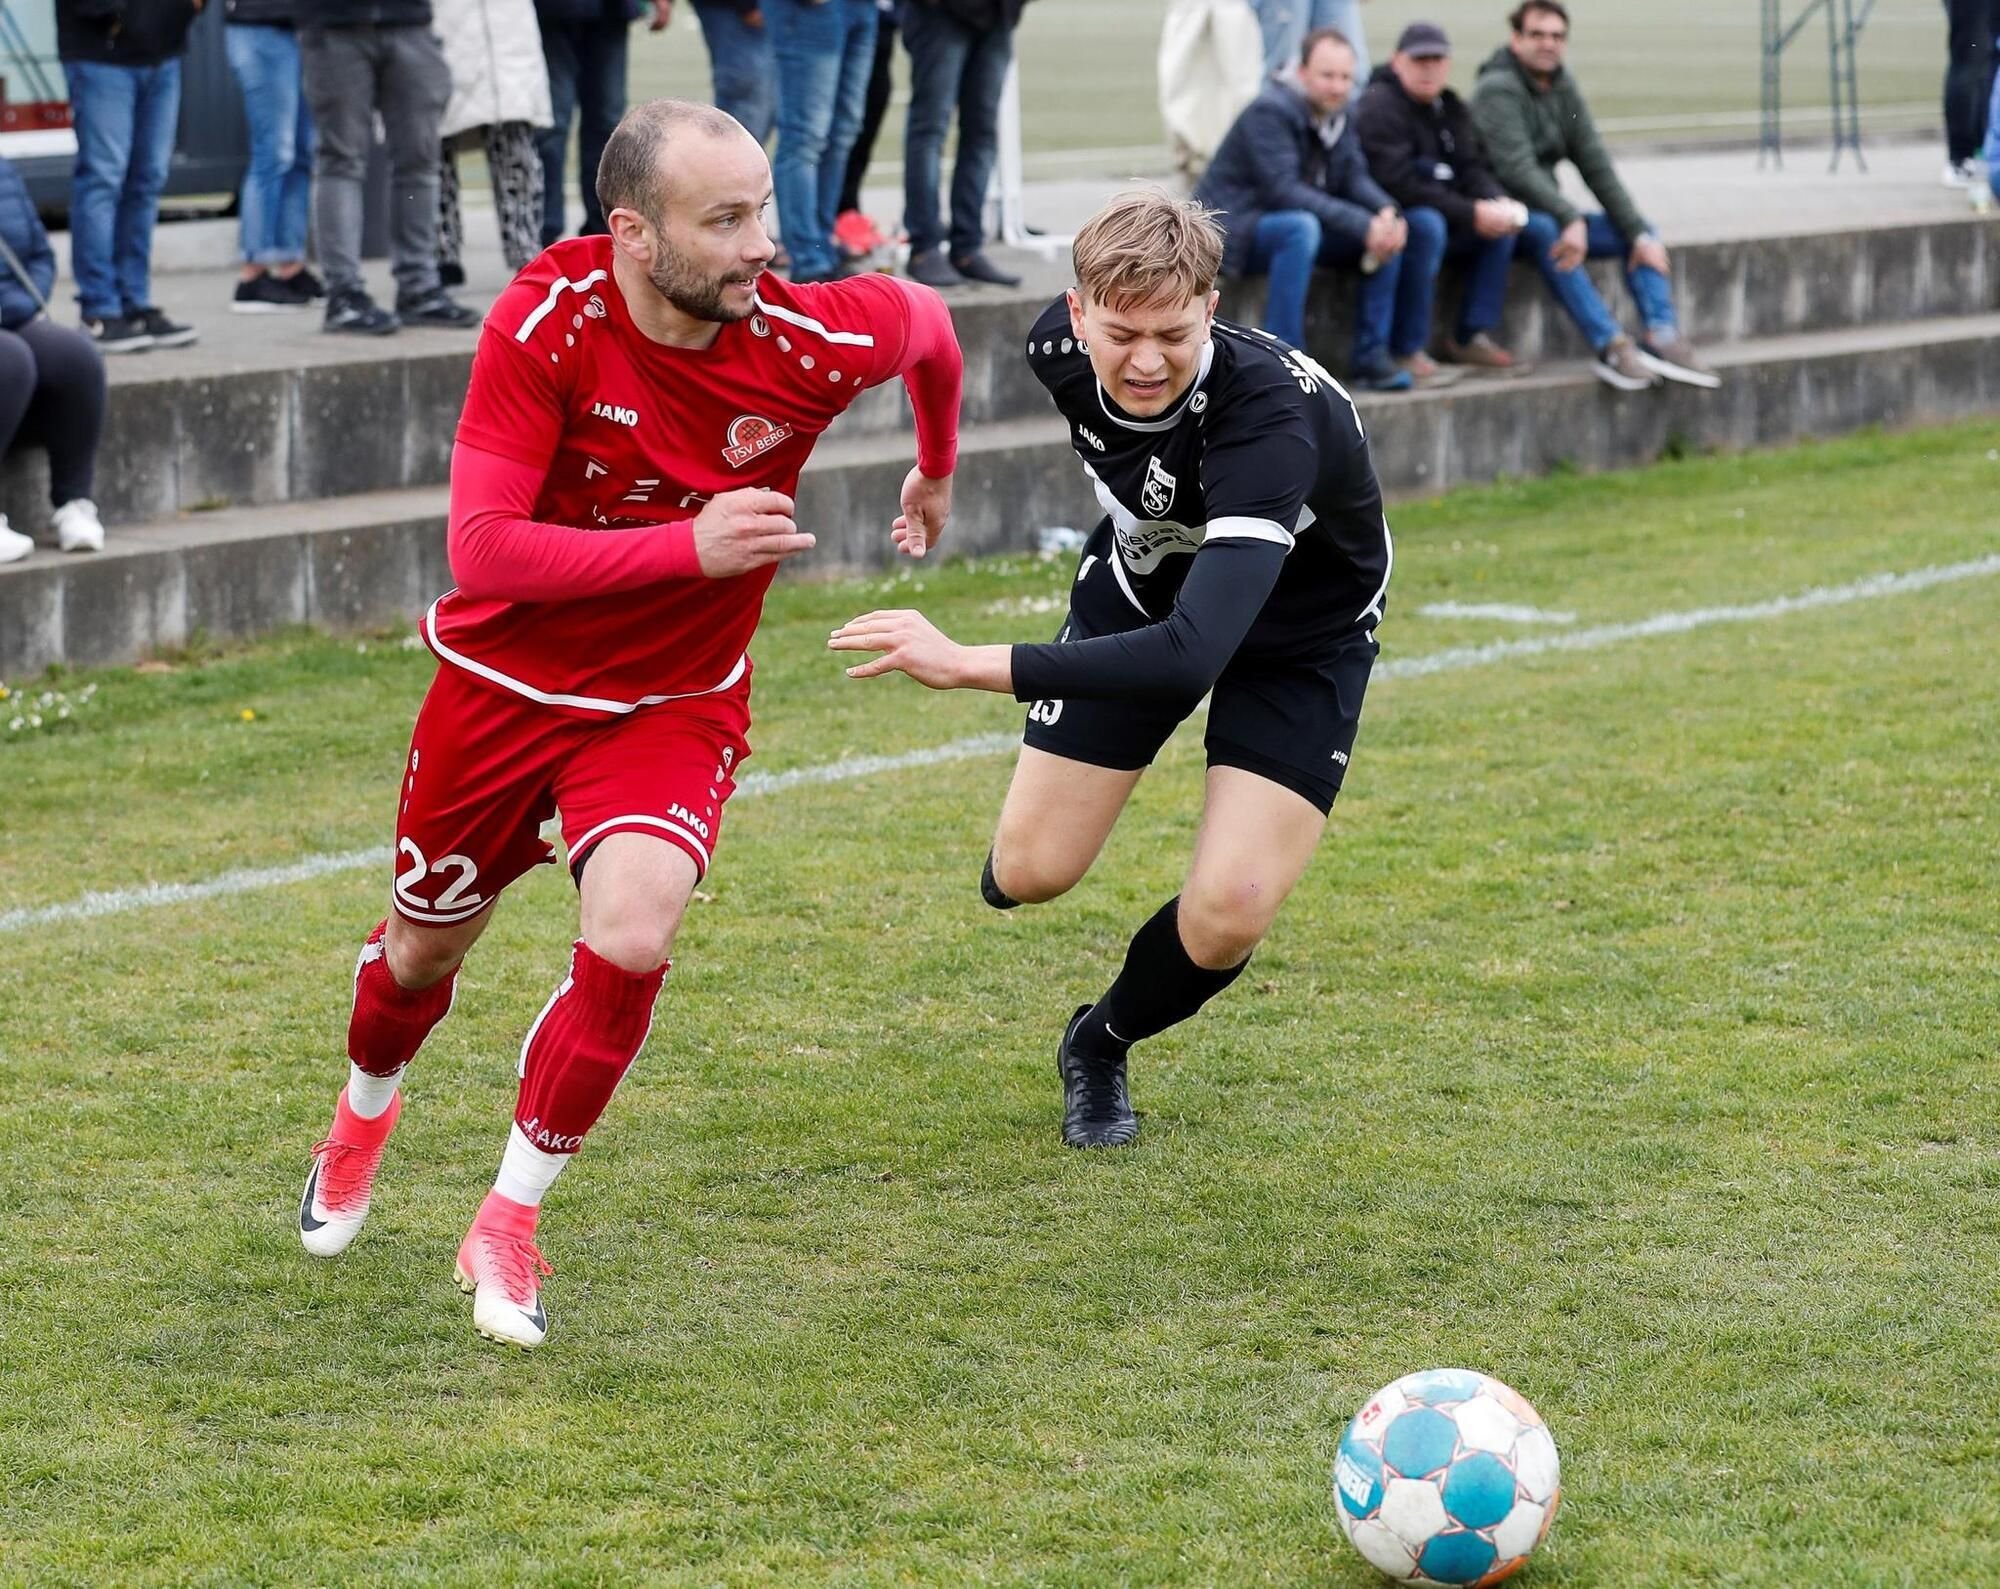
390 1021
580 1047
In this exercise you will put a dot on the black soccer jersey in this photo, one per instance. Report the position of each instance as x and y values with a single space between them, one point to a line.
1263 450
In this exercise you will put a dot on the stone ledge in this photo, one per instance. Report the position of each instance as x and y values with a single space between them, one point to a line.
359 559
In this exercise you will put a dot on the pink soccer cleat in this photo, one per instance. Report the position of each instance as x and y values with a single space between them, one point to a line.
500 1264
342 1177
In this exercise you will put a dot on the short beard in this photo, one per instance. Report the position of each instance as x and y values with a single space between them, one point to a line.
698 297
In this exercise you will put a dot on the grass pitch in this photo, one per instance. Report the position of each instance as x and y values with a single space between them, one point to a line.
1631 1038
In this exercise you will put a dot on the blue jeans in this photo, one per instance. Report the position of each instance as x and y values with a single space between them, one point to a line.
1578 294
277 184
586 62
1286 246
1431 243
824 53
125 119
950 64
1285 24
739 65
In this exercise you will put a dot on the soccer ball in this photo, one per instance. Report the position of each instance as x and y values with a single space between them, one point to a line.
1447 1477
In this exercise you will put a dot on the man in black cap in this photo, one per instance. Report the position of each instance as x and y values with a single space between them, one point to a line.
1424 151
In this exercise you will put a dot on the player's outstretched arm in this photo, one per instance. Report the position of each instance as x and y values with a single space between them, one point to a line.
933 370
910 643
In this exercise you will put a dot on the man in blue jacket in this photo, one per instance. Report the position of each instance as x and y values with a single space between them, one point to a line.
1292 190
123 62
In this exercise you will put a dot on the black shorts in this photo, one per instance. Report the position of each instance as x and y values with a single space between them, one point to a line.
1289 719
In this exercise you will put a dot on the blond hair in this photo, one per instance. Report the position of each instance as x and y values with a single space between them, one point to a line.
1146 247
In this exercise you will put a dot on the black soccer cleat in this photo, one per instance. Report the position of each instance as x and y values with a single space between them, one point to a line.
1097 1110
992 892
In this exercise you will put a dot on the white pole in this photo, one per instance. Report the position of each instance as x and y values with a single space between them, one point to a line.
1011 199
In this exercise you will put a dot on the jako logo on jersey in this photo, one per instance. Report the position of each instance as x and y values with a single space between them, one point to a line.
1090 436
1341 757
759 326
595 308
680 813
611 411
550 1141
1157 495
750 435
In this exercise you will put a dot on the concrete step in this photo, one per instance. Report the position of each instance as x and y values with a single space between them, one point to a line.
270 409
377 555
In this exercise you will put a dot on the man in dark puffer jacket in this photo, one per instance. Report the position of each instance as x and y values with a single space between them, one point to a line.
123 62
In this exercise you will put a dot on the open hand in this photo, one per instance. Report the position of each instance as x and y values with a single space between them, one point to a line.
743 530
909 642
1572 247
926 508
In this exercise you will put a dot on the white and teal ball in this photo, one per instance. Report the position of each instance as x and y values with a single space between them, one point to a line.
1447 1477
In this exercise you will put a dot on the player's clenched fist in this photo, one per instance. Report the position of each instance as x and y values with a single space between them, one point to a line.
743 530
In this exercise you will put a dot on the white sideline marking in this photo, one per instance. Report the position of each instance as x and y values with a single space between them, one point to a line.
1499 611
1876 586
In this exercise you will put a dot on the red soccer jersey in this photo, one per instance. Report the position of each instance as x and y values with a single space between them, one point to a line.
632 433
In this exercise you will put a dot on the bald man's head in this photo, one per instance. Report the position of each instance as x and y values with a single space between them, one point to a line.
652 145
684 190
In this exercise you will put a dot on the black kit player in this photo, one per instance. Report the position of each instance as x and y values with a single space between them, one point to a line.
1244 552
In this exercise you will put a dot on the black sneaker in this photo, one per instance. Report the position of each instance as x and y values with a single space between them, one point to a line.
164 332
977 267
450 273
933 269
357 314
307 282
1097 1111
1381 374
268 295
118 334
437 308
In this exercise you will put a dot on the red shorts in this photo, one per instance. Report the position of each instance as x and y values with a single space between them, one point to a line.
487 768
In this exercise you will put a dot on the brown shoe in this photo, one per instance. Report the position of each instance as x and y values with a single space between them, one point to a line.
1482 355
1428 373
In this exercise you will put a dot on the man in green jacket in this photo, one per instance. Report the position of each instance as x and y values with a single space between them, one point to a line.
1531 117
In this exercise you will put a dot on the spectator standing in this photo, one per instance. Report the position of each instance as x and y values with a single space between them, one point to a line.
823 51
1285 24
739 62
363 58
1422 148
51 379
959 54
123 62
499 99
857 235
1531 116
275 200
586 44
1968 80
1292 190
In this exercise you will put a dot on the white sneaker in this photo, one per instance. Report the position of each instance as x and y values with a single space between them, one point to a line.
78 528
13 544
499 1263
1957 174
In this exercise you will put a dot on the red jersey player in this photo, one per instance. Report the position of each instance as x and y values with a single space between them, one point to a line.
621 495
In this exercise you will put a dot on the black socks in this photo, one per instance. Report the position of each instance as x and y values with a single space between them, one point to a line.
990 891
1159 987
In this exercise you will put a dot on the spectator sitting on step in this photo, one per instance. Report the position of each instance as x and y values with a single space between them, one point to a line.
1531 116
51 379
123 62
959 54
499 102
361 58
1423 150
1291 189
